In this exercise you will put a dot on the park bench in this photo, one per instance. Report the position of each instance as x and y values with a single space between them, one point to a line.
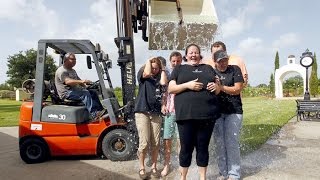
308 109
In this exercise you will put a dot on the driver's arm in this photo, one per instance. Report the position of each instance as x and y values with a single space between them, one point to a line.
73 82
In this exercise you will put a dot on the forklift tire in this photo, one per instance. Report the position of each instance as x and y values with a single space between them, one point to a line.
34 150
118 145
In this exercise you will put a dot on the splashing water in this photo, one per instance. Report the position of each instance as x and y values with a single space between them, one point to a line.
169 35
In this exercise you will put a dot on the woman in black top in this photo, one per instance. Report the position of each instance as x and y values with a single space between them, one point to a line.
151 78
196 107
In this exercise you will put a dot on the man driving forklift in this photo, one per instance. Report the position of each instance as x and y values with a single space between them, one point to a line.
71 87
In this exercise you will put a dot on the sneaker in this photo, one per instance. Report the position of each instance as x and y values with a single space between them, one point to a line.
98 114
92 116
102 112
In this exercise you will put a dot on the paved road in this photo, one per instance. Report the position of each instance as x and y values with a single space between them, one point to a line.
75 168
291 154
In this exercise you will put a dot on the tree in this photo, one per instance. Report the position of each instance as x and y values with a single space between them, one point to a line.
271 84
276 66
5 86
314 90
293 85
293 82
22 66
262 86
276 61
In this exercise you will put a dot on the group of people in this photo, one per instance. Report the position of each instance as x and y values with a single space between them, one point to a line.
198 97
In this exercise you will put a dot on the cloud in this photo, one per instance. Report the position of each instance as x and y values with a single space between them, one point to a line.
98 9
241 19
286 40
31 13
259 55
28 44
100 26
33 18
8 7
253 7
272 21
23 22
251 46
258 58
233 26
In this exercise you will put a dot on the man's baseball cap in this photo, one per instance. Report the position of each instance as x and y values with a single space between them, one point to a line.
219 55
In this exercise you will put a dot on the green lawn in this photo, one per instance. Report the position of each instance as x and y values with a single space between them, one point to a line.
9 112
262 118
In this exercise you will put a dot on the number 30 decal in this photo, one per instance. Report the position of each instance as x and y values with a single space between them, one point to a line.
62 116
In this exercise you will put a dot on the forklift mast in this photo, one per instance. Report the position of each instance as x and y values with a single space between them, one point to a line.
129 14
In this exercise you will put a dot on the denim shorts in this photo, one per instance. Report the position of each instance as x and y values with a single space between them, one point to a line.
170 129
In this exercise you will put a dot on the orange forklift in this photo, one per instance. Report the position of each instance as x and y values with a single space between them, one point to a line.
63 128
58 127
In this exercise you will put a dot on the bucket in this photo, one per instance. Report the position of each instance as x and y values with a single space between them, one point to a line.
173 24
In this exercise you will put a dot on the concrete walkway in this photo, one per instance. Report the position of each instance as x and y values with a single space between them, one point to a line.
291 154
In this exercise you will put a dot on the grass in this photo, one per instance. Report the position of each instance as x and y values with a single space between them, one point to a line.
262 118
9 112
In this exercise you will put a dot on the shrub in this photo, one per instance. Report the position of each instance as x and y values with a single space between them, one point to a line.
257 92
7 94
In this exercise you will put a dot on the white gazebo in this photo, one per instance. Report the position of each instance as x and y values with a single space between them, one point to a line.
285 70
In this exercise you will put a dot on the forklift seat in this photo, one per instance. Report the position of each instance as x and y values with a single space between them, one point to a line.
55 98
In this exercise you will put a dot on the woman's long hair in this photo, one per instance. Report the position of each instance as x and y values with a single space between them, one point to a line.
157 61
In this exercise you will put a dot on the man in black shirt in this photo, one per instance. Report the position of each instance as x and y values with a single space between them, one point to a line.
227 130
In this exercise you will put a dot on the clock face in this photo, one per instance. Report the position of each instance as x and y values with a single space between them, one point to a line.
306 61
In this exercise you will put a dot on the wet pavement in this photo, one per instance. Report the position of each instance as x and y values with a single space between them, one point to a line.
292 153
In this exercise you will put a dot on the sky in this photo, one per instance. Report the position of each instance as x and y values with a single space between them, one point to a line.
252 29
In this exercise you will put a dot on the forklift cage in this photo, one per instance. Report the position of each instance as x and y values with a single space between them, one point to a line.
63 46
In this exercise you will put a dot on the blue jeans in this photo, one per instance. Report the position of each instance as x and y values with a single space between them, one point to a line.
89 98
227 135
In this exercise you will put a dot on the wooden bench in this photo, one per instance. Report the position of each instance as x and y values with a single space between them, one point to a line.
308 109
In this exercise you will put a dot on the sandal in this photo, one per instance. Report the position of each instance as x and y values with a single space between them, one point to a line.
155 173
143 175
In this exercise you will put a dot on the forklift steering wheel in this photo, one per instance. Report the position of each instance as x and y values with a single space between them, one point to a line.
94 85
